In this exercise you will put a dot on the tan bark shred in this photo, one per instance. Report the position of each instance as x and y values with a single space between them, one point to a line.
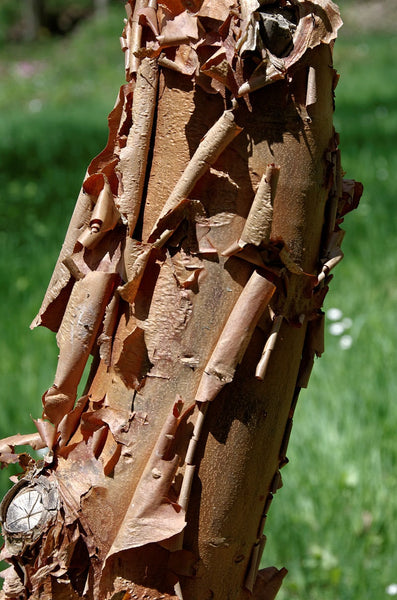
182 29
104 216
235 336
70 422
47 432
258 225
76 337
136 257
148 16
333 256
186 60
268 349
133 36
31 439
130 356
131 169
105 339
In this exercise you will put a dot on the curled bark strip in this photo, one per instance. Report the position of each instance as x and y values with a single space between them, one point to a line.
136 257
181 29
131 169
47 431
210 148
245 252
190 456
185 62
333 260
257 550
259 221
334 181
104 216
29 439
55 299
190 469
311 90
71 421
215 9
132 36
53 306
235 336
8 453
105 340
118 121
76 337
167 225
12 585
269 347
333 256
148 16
247 7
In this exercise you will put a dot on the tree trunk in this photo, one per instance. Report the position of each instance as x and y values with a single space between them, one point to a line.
31 12
101 7
194 271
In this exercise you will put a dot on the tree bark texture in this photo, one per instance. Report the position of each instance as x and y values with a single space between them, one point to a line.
193 271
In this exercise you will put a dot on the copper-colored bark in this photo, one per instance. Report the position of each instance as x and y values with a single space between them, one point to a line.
193 270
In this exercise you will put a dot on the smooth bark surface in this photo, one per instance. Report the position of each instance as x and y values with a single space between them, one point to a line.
194 270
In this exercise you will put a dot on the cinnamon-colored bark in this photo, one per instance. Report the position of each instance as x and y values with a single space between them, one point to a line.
194 271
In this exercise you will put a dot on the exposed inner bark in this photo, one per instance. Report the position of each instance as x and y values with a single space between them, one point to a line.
196 280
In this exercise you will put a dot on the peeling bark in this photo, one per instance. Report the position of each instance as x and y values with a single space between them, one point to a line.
193 271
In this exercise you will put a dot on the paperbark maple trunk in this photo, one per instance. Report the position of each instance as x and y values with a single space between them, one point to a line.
193 270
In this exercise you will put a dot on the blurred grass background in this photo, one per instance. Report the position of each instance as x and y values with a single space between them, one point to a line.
333 525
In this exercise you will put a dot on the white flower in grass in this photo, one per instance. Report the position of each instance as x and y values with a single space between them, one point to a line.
347 323
345 342
339 326
336 328
334 314
391 589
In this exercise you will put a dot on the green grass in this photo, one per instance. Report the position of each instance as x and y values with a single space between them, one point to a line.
333 523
